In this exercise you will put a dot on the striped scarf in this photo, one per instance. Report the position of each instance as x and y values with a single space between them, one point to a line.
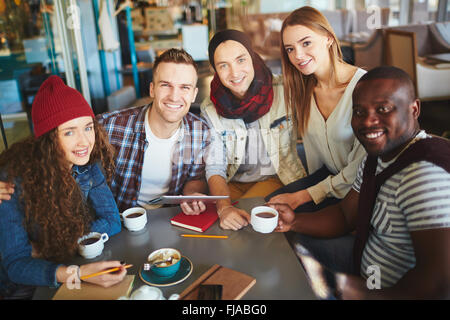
256 102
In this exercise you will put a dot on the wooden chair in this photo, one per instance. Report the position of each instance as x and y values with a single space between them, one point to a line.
431 81
431 39
369 55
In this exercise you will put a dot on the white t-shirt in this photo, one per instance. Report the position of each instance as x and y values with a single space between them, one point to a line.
157 165
415 198
257 165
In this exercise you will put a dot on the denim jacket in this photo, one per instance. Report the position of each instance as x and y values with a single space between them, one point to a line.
16 263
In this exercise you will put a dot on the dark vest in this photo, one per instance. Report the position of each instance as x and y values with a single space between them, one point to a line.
434 150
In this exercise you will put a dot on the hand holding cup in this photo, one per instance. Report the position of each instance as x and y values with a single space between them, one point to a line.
264 219
286 216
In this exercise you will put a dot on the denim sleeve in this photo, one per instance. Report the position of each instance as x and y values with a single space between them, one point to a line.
102 201
15 249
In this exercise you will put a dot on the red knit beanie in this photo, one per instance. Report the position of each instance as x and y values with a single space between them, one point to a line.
56 103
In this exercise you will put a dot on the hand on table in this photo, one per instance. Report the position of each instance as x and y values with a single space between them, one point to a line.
233 218
195 207
104 280
285 216
6 190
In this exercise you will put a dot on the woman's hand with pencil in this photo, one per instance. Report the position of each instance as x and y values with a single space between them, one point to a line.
103 275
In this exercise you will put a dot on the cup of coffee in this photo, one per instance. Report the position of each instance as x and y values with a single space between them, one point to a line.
165 262
92 244
264 219
147 293
134 219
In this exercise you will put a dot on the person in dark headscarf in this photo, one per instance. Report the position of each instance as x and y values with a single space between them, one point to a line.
246 108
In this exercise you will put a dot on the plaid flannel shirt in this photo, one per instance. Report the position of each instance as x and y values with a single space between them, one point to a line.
126 131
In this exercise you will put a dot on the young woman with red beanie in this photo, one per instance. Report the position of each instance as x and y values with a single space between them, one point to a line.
60 194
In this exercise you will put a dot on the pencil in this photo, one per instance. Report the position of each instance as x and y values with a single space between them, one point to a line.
203 236
104 272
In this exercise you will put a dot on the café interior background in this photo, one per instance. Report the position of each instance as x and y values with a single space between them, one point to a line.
39 38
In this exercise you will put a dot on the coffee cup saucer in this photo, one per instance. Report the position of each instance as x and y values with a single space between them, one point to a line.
150 278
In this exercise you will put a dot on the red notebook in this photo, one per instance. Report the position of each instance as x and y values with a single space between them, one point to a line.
199 222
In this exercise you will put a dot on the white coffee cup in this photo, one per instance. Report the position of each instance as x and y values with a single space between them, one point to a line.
92 244
146 292
134 219
264 219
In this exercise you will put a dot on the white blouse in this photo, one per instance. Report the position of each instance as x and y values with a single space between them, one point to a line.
333 144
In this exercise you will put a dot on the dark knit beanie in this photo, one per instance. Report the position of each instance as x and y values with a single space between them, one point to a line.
56 103
225 35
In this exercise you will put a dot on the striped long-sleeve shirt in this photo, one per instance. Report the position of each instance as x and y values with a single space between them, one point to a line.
416 198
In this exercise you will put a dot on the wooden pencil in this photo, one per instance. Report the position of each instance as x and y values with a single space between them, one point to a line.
104 272
203 236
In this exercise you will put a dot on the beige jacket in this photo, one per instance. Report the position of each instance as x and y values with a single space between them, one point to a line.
279 136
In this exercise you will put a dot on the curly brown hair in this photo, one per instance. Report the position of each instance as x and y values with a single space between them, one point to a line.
55 214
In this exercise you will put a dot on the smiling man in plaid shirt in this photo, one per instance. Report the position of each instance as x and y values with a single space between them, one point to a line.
160 147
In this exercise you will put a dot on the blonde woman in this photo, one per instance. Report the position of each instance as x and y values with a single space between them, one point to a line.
318 88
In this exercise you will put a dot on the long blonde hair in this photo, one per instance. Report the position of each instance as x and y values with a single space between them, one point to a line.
298 87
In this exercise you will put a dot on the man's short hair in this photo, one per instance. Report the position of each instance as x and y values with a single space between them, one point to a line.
389 72
175 56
